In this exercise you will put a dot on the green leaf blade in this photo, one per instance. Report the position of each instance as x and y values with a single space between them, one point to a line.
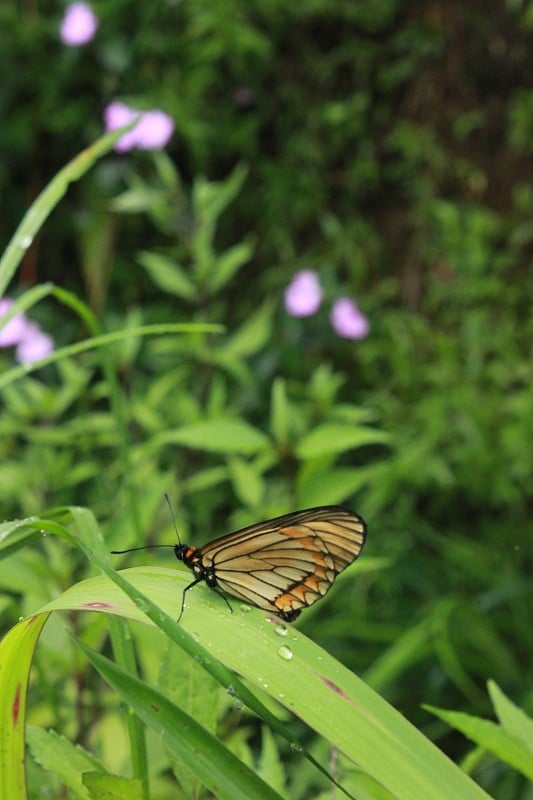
332 437
219 770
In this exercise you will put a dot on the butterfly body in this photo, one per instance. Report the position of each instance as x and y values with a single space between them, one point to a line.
282 565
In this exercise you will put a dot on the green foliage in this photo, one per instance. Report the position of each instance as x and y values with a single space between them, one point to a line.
510 741
387 149
273 659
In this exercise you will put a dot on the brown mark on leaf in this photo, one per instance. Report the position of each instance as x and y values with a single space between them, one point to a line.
15 708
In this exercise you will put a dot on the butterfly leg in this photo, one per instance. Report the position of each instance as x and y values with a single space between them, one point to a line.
183 596
193 583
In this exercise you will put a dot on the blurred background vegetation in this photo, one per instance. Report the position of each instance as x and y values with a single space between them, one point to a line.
385 145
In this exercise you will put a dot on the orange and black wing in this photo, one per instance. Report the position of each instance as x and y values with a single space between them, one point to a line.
287 563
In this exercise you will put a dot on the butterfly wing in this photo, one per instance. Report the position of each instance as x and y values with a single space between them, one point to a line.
287 563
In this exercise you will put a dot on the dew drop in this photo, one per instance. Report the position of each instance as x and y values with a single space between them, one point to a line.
26 241
244 607
296 747
238 705
231 690
285 652
281 630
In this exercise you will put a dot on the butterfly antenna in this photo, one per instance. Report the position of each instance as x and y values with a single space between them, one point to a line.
169 504
150 546
144 547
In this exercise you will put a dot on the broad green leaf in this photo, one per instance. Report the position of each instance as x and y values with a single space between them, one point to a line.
491 736
183 681
251 336
138 198
13 539
210 199
281 413
337 438
56 754
247 482
317 487
167 274
102 786
218 436
218 769
229 263
205 479
270 765
512 718
16 653
278 659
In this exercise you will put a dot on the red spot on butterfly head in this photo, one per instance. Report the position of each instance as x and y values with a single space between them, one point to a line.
15 708
97 604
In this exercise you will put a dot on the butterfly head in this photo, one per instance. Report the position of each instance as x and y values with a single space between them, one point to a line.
185 553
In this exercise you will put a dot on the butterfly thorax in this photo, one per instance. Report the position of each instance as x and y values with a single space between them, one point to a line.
192 558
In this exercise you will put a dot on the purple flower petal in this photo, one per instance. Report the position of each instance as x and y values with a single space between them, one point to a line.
116 115
303 295
152 132
15 329
79 24
35 345
348 321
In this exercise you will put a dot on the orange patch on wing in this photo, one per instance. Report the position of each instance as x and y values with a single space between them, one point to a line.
297 532
285 602
320 572
321 559
299 592
312 583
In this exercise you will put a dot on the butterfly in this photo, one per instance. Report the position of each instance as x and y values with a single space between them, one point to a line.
282 565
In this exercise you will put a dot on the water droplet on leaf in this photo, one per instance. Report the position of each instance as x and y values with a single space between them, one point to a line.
285 652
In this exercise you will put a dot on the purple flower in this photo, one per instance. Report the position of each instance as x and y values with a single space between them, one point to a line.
303 295
34 345
78 25
13 332
347 320
116 115
31 342
152 131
